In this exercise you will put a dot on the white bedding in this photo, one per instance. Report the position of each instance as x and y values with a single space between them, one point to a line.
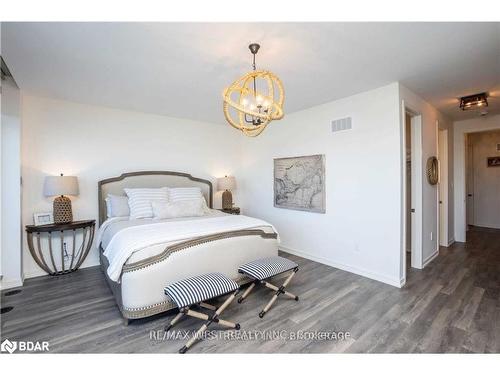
153 234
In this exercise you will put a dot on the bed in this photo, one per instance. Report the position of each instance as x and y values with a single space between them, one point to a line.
220 243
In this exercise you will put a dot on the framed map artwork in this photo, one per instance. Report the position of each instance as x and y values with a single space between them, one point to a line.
299 183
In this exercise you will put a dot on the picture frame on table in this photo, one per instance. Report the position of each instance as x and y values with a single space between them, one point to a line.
43 218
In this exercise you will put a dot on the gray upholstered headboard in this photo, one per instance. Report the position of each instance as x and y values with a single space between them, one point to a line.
149 179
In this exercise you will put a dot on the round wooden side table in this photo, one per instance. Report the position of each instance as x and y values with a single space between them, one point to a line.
86 227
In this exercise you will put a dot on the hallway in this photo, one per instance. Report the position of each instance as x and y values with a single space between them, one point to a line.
464 314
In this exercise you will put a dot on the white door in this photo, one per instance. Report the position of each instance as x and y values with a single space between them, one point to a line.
486 180
416 191
469 184
443 186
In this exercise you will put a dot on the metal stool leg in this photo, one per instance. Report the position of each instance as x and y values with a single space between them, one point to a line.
175 320
280 290
209 320
207 306
275 288
247 291
268 306
193 339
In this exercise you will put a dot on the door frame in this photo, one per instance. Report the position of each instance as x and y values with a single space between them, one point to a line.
460 131
416 190
443 196
469 183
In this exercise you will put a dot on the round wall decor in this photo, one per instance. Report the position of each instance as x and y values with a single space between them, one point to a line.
432 170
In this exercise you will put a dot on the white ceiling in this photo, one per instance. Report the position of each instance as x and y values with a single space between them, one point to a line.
180 69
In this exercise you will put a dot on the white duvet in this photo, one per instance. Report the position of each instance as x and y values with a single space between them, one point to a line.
132 239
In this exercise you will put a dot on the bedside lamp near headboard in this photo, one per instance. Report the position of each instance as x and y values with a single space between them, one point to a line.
61 185
227 184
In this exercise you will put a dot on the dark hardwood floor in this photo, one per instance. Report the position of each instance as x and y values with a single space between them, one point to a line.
453 305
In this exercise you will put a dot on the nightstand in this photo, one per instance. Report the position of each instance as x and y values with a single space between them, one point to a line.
232 211
57 235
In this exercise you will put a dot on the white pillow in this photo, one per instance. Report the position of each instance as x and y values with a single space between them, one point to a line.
108 207
139 201
187 194
172 210
204 204
117 206
184 194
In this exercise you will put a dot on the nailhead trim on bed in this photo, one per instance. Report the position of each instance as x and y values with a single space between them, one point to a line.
191 243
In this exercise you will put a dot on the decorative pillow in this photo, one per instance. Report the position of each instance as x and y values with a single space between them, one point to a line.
117 206
170 210
204 204
184 194
139 201
188 194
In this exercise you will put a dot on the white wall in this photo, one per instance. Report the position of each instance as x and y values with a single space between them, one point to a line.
460 128
486 179
430 119
360 231
11 256
96 142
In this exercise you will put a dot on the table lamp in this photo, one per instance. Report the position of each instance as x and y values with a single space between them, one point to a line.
227 184
61 185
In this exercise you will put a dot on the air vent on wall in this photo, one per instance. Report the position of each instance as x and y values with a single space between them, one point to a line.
341 124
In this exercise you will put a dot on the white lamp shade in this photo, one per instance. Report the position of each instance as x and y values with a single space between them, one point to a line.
226 183
60 185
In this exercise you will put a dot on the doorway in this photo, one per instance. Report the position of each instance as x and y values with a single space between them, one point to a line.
483 179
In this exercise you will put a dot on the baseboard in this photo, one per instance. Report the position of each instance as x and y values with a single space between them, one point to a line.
398 283
402 282
430 258
10 283
39 272
450 242
32 274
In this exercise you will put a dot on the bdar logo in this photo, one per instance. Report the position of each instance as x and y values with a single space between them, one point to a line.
8 346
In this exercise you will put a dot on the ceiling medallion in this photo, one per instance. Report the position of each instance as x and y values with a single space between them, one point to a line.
254 100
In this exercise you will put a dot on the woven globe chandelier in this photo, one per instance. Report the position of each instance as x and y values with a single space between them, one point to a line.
254 100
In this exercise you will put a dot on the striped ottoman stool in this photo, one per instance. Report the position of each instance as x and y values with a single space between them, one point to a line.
262 269
195 291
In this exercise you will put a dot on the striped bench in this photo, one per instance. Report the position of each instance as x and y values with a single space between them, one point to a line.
261 269
195 291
